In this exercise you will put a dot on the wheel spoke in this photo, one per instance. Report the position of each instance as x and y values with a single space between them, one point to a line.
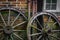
39 37
34 34
38 22
24 16
36 28
54 37
15 19
18 36
55 30
1 29
3 19
18 30
11 37
9 18
19 24
54 23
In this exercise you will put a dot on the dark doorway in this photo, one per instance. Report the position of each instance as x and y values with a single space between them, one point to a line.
39 9
39 5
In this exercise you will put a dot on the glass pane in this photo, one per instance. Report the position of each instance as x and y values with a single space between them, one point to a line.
53 7
54 1
48 6
48 1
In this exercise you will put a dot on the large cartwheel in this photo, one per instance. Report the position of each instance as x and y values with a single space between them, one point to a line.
44 26
13 24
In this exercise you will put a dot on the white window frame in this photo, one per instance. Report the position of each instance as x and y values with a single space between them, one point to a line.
44 7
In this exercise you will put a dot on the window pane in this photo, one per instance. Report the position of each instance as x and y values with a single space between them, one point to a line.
53 6
48 6
48 1
54 1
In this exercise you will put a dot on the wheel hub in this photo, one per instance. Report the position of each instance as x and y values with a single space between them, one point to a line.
8 30
45 30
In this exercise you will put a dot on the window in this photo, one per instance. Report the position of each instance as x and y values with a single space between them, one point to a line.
51 4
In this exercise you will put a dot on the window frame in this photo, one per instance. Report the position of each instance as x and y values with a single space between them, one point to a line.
50 10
